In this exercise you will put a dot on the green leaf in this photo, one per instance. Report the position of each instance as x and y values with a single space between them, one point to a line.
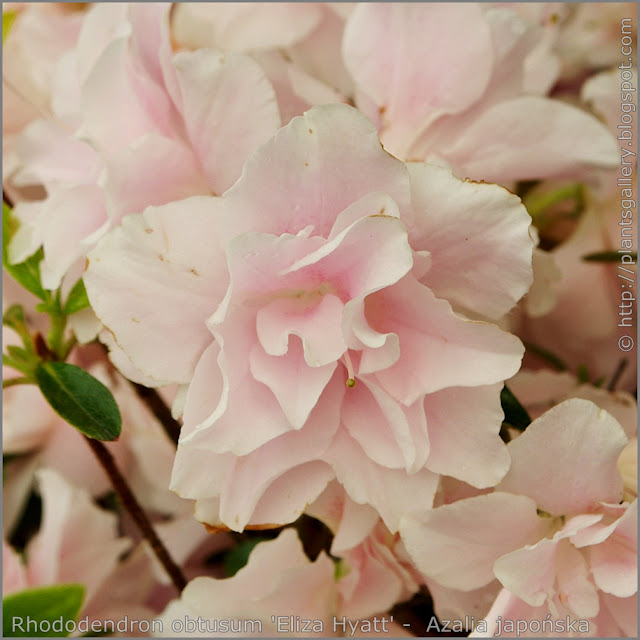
42 612
26 273
19 362
80 399
7 21
14 317
514 413
238 557
341 569
582 374
77 299
608 256
19 355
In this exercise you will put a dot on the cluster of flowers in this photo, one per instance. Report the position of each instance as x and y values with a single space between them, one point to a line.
370 256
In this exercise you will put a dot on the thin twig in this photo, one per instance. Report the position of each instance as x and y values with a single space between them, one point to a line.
617 374
137 513
12 382
159 409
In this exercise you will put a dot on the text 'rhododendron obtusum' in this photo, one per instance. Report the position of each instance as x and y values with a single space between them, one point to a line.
331 314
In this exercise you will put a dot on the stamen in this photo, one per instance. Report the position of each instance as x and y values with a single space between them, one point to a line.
351 382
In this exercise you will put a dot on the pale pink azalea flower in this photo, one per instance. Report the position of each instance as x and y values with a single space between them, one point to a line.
296 91
77 542
38 39
251 26
374 572
279 581
297 45
617 618
553 533
75 545
125 596
595 306
628 467
589 37
462 608
476 107
543 295
14 575
279 592
17 485
539 391
195 117
359 257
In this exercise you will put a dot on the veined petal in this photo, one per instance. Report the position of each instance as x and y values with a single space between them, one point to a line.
477 235
392 492
296 385
131 186
369 255
148 280
614 562
463 425
391 434
561 140
274 482
457 544
319 327
401 56
438 349
323 161
566 460
227 103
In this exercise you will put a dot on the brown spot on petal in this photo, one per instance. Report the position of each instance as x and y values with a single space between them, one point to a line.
470 181
74 6
195 273
148 230
310 130
221 528
623 400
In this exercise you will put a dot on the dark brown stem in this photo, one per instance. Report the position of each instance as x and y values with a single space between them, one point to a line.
617 374
159 409
6 199
137 513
